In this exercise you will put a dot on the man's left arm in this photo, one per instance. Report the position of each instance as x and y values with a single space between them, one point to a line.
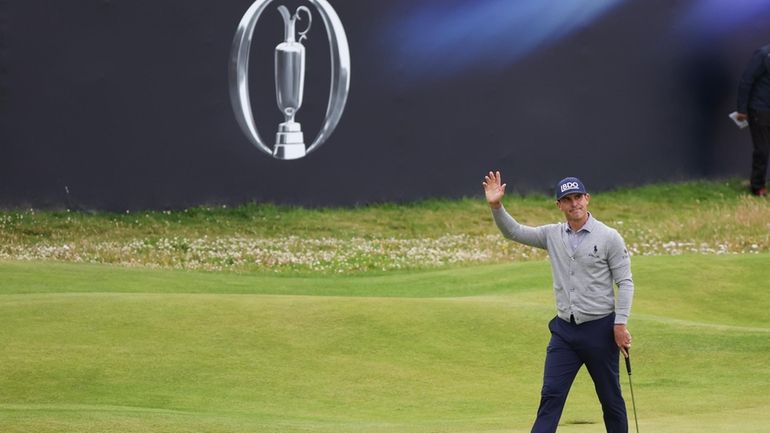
619 261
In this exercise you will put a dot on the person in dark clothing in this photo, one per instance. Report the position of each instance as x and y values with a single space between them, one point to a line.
754 106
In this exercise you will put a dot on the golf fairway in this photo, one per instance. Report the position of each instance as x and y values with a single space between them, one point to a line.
90 348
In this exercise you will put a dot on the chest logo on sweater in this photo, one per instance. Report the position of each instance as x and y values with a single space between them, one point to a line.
594 253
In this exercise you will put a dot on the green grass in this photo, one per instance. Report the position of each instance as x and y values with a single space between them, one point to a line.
701 217
97 348
409 318
427 218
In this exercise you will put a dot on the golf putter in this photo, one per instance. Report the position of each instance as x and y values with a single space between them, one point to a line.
631 386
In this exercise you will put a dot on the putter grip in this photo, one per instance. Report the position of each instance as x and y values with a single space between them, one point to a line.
628 361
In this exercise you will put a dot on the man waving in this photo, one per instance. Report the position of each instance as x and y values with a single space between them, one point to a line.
588 259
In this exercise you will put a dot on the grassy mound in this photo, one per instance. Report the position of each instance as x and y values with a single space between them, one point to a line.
671 219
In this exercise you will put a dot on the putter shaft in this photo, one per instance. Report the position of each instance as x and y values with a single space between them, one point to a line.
631 386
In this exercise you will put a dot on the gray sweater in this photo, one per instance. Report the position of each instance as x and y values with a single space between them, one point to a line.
582 280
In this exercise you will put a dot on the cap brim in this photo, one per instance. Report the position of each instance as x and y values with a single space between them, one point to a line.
566 193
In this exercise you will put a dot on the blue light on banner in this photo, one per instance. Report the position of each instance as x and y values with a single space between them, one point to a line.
441 38
715 17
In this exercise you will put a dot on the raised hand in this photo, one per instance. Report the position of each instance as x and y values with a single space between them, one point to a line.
494 189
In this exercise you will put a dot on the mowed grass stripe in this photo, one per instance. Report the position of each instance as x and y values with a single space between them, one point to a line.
51 277
713 274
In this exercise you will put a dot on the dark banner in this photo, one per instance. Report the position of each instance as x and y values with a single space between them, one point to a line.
117 104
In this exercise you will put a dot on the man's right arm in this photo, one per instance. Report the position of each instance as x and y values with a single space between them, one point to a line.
494 189
513 230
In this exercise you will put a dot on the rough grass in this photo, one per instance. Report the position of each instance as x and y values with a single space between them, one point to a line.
96 348
669 219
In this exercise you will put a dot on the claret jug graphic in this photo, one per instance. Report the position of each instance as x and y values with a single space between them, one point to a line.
289 85
290 77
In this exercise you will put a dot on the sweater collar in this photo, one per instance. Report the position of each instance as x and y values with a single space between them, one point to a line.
588 226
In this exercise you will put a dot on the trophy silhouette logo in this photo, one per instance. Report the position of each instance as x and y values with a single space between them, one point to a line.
290 84
289 77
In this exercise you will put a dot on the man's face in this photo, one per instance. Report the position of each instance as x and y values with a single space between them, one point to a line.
574 206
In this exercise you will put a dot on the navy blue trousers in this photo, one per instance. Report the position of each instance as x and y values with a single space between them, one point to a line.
572 346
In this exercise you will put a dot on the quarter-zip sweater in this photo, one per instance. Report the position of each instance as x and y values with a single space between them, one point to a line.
582 279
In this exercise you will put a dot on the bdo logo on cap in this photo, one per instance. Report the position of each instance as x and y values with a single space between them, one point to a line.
569 185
